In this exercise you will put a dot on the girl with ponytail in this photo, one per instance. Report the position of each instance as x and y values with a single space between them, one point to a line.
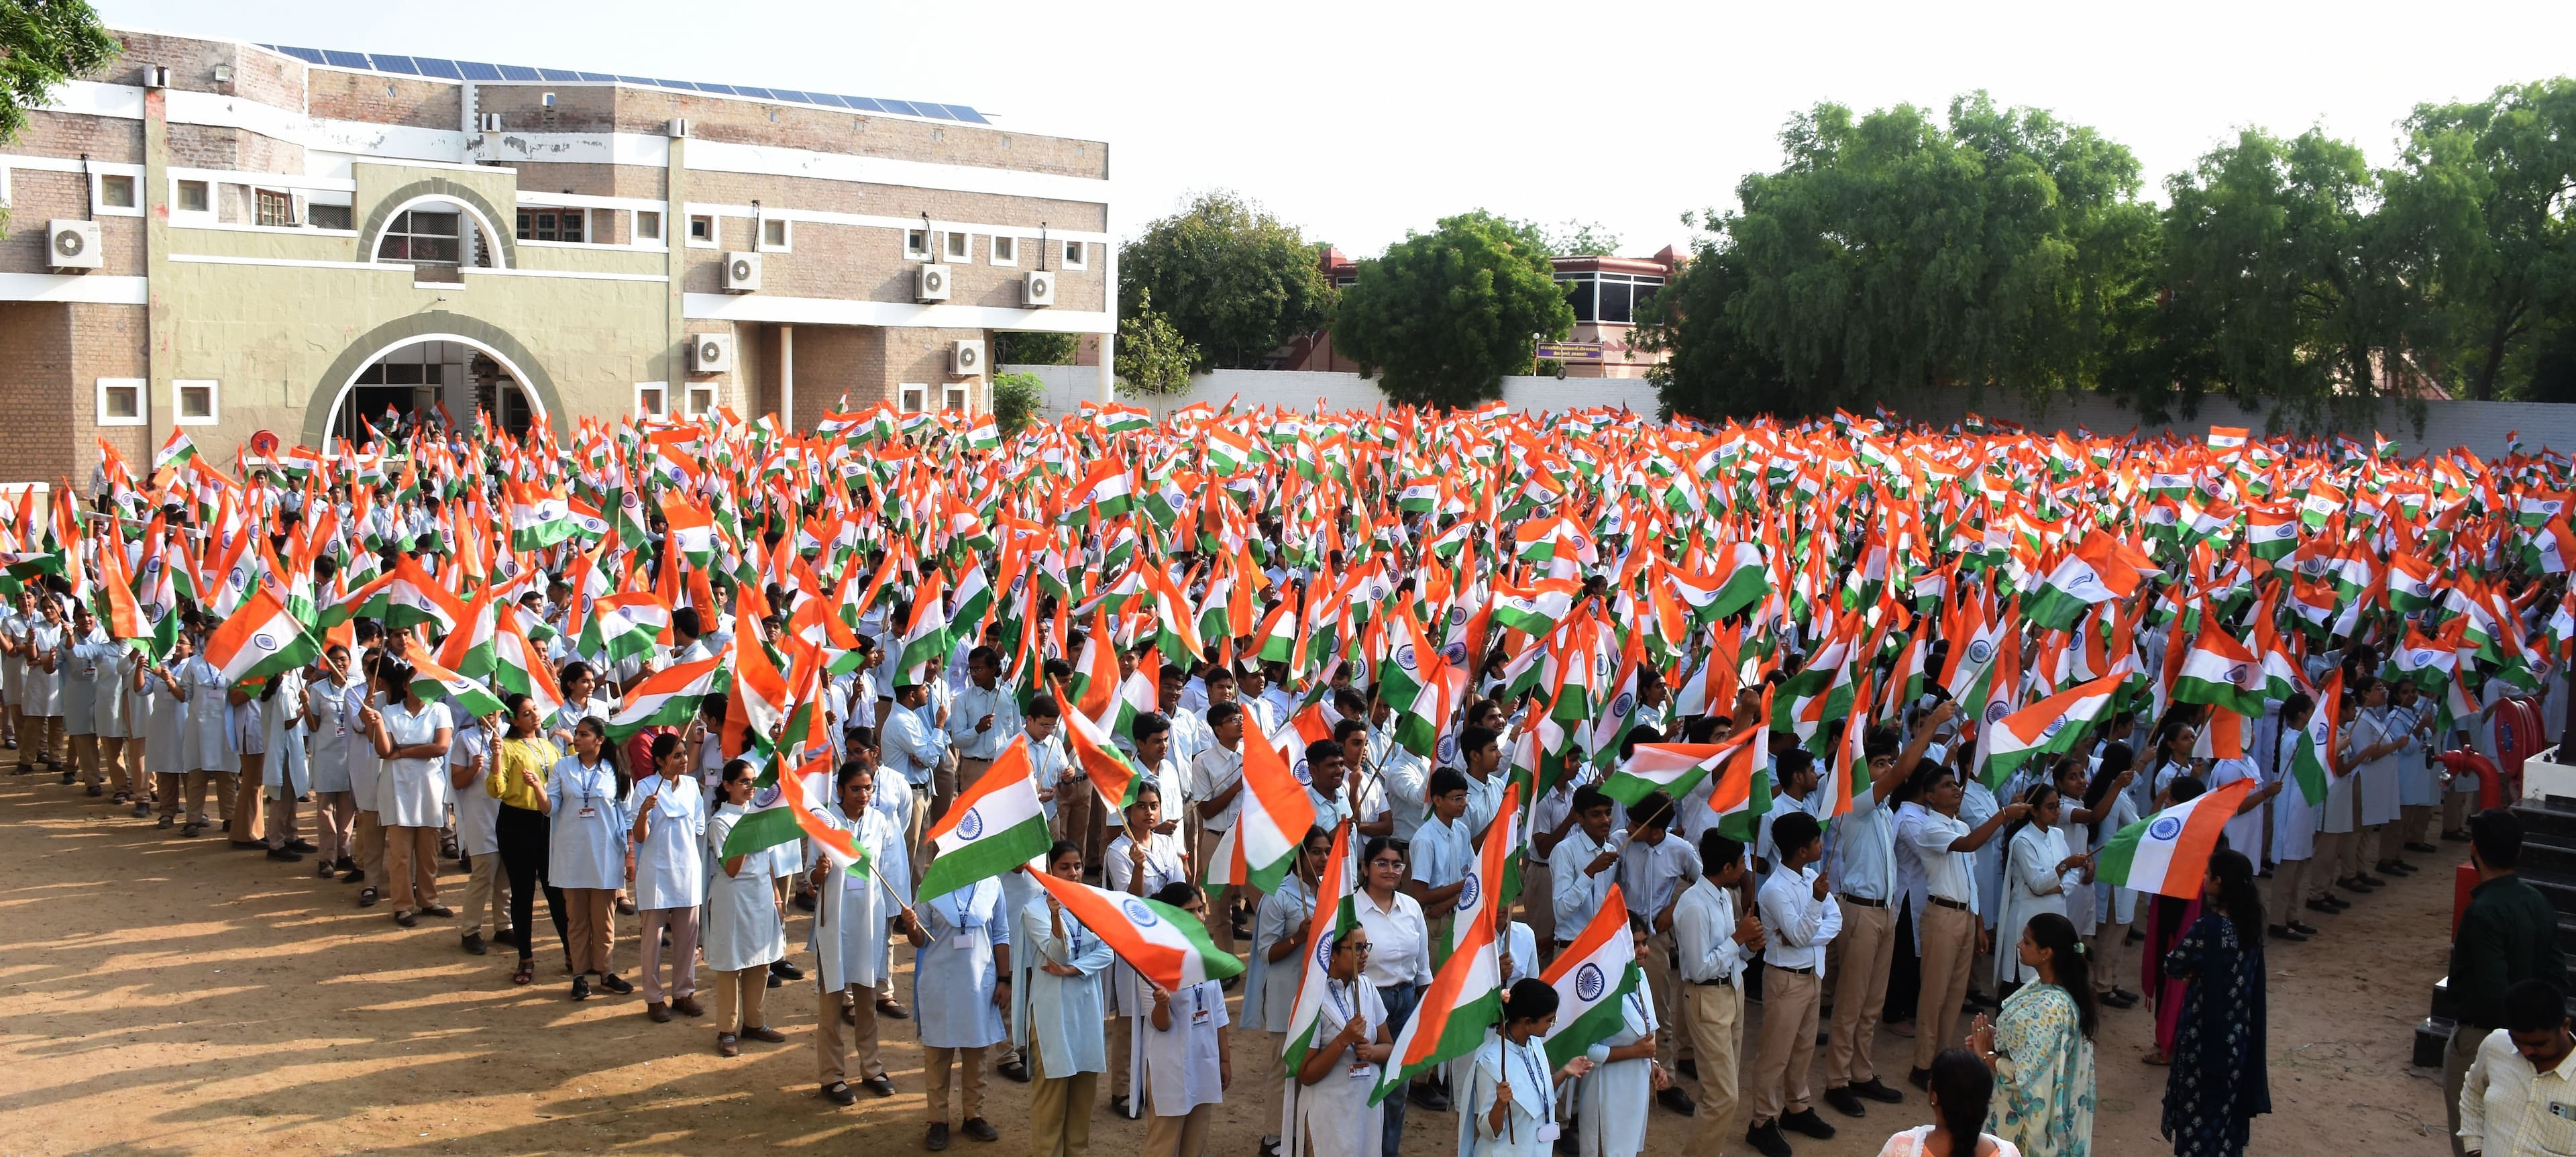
2041 1047
2218 1083
1961 1088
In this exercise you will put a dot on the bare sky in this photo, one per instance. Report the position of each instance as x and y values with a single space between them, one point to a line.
1360 120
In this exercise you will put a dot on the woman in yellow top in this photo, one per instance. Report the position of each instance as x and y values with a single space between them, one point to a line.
518 780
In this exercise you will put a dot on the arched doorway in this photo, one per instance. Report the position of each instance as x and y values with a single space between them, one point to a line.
413 379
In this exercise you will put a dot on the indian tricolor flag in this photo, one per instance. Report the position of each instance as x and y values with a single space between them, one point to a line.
693 529
1111 773
1108 489
1744 577
665 698
1277 810
1465 998
1331 918
2226 437
2313 759
259 639
416 597
1674 769
1591 976
2168 853
1742 794
2220 670
2048 727
2271 532
995 826
431 681
759 699
1163 944
2099 569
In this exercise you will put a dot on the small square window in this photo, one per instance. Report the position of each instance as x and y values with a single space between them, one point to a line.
911 397
651 400
195 197
1074 253
773 233
702 401
195 402
916 244
702 230
960 247
648 226
954 397
1006 250
116 191
120 401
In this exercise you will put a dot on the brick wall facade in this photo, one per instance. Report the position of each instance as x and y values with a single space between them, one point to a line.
37 196
51 357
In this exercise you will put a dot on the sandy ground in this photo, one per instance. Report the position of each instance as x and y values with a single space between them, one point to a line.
176 996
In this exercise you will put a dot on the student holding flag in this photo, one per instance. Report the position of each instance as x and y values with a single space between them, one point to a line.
2304 742
1799 918
412 737
961 942
1270 991
851 919
1188 1066
523 758
1138 868
1512 1093
668 833
1951 935
585 801
1611 1114
743 935
1715 945
1060 1034
1399 962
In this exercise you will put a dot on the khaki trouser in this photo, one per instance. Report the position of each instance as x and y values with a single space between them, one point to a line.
1059 1108
280 825
247 789
1868 944
739 993
199 784
919 824
371 848
1713 1014
1788 1048
2455 810
968 1064
2333 853
590 917
166 787
1270 1076
1183 1136
335 819
39 737
411 868
2415 821
487 888
124 757
683 926
2289 890
1220 911
84 749
1537 910
1949 952
832 1050
1122 1053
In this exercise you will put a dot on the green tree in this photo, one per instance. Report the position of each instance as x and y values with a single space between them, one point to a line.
1017 398
1711 371
1032 348
2480 204
1582 239
1442 316
42 44
1152 356
1235 281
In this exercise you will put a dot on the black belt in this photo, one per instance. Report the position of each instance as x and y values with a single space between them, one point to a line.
1946 902
1720 982
1863 901
1817 971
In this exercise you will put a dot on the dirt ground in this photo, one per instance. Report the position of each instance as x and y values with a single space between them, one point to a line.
176 996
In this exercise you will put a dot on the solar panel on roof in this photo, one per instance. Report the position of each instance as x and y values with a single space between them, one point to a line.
595 76
337 58
434 66
401 64
966 114
637 80
747 90
682 85
308 55
557 74
826 99
726 89
904 107
477 70
519 72
863 104
792 94
446 69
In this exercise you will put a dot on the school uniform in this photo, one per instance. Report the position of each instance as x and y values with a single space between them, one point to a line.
1948 930
1796 928
487 886
1128 998
743 934
165 717
1529 1127
1651 876
1270 989
670 880
328 754
286 775
413 805
954 980
1864 879
2032 885
586 857
1214 770
1057 1028
1334 1118
80 702
851 917
1612 1099
1184 1070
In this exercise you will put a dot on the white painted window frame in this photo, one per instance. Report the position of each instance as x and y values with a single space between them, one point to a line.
949 251
142 388
635 229
715 231
1076 256
786 236
659 390
994 249
214 414
912 397
98 195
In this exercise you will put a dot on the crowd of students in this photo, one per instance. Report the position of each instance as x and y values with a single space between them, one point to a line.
1879 878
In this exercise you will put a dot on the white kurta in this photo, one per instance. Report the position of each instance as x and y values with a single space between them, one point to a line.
2294 819
742 928
2244 832
586 847
2377 779
670 864
1614 1095
165 725
112 713
954 978
2036 852
478 815
43 690
334 733
288 770
1530 1126
851 914
414 792
1064 1012
1334 1113
1270 991
1164 864
1182 1071
206 738
80 683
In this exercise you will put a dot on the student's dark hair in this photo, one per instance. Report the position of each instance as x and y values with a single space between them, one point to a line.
1042 707
565 674
1220 714
2296 703
735 769
2496 834
510 712
1060 849
685 621
1177 893
607 752
1716 847
1475 739
1348 727
851 768
984 654
1792 832
1792 762
2185 788
2038 791
1963 1085
396 674
1530 999
1350 703
1588 797
1144 787
2073 968
2237 895
2534 1005
1447 779
663 746
2116 758
1149 725
1703 729
1641 733
1321 750
1376 844
1654 807
1217 674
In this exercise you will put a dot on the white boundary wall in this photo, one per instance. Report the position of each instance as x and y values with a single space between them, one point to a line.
1066 386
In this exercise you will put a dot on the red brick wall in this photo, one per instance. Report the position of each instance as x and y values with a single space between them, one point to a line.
38 196
388 100
36 405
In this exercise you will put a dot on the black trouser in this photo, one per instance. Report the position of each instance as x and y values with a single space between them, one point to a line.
1904 970
524 836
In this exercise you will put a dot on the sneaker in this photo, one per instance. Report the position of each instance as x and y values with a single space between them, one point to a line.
283 856
1845 1101
980 1129
1676 1101
1766 1139
1806 1121
581 987
617 984
1877 1091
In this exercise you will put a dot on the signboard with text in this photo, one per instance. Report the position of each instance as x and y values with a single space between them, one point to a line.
1570 351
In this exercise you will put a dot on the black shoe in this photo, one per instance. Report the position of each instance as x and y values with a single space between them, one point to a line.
2375 881
2336 902
2455 837
581 987
1920 1078
1806 1121
1676 1101
323 871
775 982
2303 929
617 984
1117 1106
804 901
838 1092
473 942
938 1138
1876 1091
2284 932
2356 884
1845 1102
1013 1070
1766 1140
307 847
406 919
1689 1067
344 864
2322 906
283 856
2395 868
2114 1000
2134 937
785 971
1428 1097
878 1085
980 1129
249 845
353 875
2422 847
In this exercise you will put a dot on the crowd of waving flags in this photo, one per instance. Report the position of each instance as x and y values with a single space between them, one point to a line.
1797 573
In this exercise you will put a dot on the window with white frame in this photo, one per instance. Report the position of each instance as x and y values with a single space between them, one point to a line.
916 244
775 234
194 197
275 209
648 227
702 230
121 401
702 399
1074 254
554 225
652 399
327 216
195 401
912 397
1006 249
955 397
423 237
115 191
958 247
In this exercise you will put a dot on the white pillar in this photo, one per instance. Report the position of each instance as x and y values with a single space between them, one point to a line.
1108 368
787 378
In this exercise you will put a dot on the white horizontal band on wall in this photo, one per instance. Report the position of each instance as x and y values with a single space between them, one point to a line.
87 288
833 311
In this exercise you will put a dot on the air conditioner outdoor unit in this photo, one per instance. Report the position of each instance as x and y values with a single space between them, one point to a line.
73 245
710 353
489 122
742 272
1039 289
931 283
967 358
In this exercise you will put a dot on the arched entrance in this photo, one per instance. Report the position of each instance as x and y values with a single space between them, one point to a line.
413 379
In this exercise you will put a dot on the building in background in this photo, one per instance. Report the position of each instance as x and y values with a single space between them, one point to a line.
1604 291
227 238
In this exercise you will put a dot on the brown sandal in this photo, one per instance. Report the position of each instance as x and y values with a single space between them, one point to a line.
527 973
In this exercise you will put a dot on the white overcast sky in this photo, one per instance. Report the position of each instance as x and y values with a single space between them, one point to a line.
1360 120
